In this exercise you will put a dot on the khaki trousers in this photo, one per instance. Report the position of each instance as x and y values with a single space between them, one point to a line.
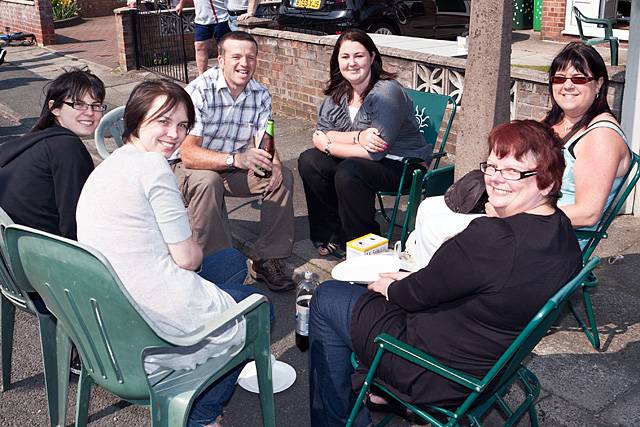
204 191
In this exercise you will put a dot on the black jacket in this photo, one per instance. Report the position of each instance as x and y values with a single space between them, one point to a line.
41 176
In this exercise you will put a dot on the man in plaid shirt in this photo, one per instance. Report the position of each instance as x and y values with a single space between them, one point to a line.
220 157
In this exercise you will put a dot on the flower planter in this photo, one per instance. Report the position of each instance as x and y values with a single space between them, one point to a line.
68 22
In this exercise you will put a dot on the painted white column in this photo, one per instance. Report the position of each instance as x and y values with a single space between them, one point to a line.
631 100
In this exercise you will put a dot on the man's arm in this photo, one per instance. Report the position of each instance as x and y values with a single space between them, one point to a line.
251 10
195 157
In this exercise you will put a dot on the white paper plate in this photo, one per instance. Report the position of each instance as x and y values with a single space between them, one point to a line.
283 377
366 268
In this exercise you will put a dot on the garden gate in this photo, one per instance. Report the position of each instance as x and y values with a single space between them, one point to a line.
160 44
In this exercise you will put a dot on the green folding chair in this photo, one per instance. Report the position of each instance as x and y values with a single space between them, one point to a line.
607 24
430 109
112 336
507 371
593 237
110 124
434 183
11 298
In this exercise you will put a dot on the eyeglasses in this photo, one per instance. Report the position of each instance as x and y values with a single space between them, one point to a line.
83 106
576 80
507 173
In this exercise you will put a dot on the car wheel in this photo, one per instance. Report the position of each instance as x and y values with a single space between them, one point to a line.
383 28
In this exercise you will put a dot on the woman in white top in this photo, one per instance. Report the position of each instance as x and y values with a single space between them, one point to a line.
131 210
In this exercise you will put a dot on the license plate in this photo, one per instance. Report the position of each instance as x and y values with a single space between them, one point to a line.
307 4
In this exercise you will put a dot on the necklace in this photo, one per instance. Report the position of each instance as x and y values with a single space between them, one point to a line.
567 125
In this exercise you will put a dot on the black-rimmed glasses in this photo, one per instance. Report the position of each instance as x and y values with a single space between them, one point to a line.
83 106
509 174
576 80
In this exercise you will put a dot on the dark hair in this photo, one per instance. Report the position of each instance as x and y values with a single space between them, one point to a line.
338 86
523 137
73 84
588 61
235 35
141 99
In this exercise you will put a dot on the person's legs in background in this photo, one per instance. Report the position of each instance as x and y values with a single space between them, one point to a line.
202 35
330 350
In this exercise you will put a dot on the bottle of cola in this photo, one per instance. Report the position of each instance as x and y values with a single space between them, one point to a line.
268 144
303 297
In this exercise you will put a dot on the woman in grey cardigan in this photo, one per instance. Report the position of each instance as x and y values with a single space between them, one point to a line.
366 126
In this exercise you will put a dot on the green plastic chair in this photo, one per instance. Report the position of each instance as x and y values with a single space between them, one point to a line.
434 183
112 124
607 24
95 312
11 298
430 109
508 370
594 237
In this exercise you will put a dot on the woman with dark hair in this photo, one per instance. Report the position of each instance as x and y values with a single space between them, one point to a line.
596 152
132 211
42 173
469 303
366 126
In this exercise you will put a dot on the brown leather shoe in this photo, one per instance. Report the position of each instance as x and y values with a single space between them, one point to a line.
272 272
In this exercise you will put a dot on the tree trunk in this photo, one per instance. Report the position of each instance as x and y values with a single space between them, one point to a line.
485 102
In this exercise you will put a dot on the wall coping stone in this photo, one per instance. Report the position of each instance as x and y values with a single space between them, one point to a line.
25 2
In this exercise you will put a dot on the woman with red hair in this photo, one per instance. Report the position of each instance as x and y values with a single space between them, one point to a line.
470 302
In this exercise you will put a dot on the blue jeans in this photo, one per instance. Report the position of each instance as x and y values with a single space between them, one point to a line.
227 269
330 349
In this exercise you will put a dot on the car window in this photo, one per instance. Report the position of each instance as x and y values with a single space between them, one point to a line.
459 6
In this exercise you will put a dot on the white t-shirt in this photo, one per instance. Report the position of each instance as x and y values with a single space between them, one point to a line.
210 11
129 209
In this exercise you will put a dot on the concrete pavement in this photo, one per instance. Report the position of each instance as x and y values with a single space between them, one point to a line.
580 386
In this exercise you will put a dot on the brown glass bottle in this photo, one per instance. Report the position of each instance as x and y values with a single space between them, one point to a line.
268 144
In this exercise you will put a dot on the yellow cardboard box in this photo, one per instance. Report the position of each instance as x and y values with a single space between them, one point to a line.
366 245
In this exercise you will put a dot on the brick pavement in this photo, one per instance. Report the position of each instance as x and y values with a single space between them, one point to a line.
94 39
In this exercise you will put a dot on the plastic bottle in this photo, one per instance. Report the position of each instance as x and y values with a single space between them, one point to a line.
303 297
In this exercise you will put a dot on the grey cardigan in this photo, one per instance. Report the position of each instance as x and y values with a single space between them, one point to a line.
386 108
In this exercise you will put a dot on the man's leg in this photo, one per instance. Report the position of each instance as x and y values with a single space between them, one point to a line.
202 39
330 349
276 226
203 192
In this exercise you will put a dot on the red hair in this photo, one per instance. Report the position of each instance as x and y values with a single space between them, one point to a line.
529 137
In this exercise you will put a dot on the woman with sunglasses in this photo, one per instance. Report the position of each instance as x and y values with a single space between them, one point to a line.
42 173
596 151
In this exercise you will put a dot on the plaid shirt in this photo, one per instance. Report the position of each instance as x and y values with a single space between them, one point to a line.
225 124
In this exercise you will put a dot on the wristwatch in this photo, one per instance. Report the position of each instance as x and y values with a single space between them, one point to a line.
229 161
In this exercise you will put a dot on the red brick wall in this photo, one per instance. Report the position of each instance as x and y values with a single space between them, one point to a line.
33 18
91 8
553 13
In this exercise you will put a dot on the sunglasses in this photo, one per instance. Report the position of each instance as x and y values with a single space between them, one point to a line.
576 80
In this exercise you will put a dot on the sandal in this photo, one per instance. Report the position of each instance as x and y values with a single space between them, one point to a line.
330 248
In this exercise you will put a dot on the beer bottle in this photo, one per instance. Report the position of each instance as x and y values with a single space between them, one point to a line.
268 144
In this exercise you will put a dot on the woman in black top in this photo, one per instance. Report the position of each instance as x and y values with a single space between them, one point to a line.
366 126
470 302
42 173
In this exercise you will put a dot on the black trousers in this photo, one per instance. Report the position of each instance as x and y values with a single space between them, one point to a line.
341 194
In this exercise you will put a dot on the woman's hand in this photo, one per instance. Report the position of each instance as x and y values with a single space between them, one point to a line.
320 140
370 140
381 285
490 210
